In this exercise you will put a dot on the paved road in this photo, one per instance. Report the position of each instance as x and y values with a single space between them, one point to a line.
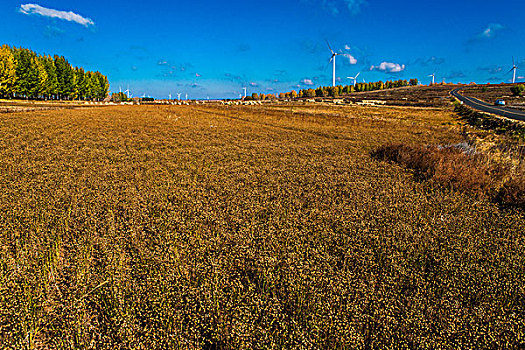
488 108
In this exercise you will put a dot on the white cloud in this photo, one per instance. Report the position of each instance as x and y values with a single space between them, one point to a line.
351 59
347 47
491 31
252 84
33 9
308 82
389 67
354 6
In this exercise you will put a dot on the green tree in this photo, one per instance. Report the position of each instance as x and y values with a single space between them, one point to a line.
119 97
51 90
80 84
65 78
310 93
103 84
319 92
43 78
26 84
333 91
24 73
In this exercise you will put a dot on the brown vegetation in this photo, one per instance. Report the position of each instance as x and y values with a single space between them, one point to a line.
437 95
460 167
157 227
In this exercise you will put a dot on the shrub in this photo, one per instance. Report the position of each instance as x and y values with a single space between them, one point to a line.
518 90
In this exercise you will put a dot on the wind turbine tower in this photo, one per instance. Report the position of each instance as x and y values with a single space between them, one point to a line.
245 92
433 75
514 69
332 60
178 95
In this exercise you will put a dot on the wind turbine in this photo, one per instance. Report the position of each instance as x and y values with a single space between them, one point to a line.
514 69
178 95
169 97
433 75
186 97
128 93
332 60
354 78
245 93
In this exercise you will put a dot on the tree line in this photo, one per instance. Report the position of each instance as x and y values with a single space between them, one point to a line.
336 91
25 74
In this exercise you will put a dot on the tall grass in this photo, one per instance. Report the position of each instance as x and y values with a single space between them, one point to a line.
460 167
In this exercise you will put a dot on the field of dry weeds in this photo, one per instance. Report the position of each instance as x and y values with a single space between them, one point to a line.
191 227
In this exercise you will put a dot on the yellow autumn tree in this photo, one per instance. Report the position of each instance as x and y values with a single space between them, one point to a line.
7 71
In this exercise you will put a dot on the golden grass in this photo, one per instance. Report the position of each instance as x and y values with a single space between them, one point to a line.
246 227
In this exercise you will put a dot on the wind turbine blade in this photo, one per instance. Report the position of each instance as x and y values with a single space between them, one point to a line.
511 70
332 51
357 75
327 65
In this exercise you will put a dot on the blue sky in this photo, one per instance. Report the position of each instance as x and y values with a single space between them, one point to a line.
213 49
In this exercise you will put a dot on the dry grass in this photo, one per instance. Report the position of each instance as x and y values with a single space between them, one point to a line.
241 228
451 166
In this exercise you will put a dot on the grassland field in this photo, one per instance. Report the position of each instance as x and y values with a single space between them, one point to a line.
248 227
